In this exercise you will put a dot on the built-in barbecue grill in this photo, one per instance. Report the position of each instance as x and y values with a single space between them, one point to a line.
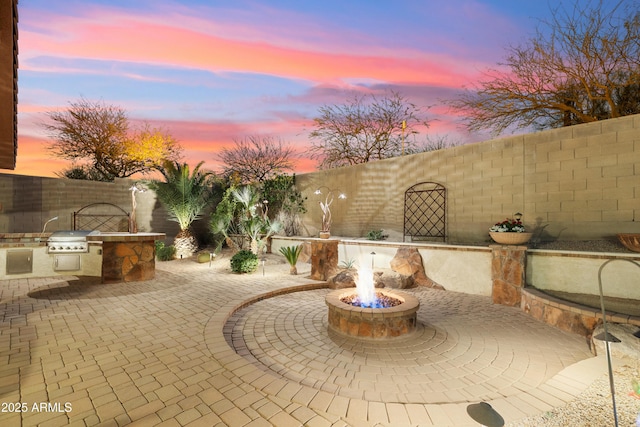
69 241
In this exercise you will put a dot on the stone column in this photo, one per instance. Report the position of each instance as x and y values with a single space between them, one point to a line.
508 274
324 259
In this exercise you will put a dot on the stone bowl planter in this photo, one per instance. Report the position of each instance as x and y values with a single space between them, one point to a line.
630 241
510 238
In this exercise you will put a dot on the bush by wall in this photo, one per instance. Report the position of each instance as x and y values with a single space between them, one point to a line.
244 261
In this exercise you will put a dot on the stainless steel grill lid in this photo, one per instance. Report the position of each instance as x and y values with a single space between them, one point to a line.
69 241
71 235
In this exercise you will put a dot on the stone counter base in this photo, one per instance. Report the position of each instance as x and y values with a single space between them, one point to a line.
128 261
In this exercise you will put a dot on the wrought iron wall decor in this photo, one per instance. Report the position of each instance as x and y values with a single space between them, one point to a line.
105 217
425 211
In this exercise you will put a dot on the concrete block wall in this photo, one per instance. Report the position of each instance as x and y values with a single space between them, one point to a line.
27 202
575 183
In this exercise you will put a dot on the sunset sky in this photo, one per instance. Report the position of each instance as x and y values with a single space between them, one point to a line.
213 71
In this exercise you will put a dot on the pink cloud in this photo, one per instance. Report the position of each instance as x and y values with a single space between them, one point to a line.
333 59
127 38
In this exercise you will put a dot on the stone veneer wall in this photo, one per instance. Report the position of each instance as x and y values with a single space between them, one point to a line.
508 265
128 261
575 183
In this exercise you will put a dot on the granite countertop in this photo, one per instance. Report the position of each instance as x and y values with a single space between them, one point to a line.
125 237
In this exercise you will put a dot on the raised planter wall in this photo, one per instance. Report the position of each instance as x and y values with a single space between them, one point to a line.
577 272
507 273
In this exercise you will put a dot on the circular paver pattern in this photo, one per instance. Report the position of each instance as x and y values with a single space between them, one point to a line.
464 350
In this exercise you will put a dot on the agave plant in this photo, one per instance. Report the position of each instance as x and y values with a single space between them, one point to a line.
291 253
184 195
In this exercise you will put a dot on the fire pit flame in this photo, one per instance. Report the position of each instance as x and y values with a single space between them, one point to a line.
365 288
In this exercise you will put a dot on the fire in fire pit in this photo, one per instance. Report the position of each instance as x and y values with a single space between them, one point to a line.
381 301
366 313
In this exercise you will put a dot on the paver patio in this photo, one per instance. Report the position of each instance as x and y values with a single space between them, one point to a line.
171 352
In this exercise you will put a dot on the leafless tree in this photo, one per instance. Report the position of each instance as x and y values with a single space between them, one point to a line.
364 129
581 66
257 158
437 142
97 138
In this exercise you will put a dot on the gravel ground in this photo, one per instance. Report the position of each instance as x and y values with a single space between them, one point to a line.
583 246
594 407
567 245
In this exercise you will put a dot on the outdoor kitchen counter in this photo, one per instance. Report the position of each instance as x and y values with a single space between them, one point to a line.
125 237
17 240
127 257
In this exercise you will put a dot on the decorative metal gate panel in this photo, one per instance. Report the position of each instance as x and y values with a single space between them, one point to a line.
425 211
105 217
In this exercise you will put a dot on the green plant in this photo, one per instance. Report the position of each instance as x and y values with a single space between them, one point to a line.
376 235
244 261
184 194
285 202
224 221
291 253
165 253
347 264
254 221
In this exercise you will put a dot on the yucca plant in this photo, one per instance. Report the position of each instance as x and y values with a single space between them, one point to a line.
256 225
291 253
184 195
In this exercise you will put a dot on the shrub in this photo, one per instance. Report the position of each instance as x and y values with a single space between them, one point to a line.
165 253
376 235
244 262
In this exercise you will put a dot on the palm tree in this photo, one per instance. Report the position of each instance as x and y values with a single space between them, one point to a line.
184 195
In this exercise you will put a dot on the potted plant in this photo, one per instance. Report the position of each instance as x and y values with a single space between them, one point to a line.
325 206
291 253
511 231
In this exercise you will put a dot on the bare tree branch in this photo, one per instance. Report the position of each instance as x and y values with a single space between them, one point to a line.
364 129
582 66
257 158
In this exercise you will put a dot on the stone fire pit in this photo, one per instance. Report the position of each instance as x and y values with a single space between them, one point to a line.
374 323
